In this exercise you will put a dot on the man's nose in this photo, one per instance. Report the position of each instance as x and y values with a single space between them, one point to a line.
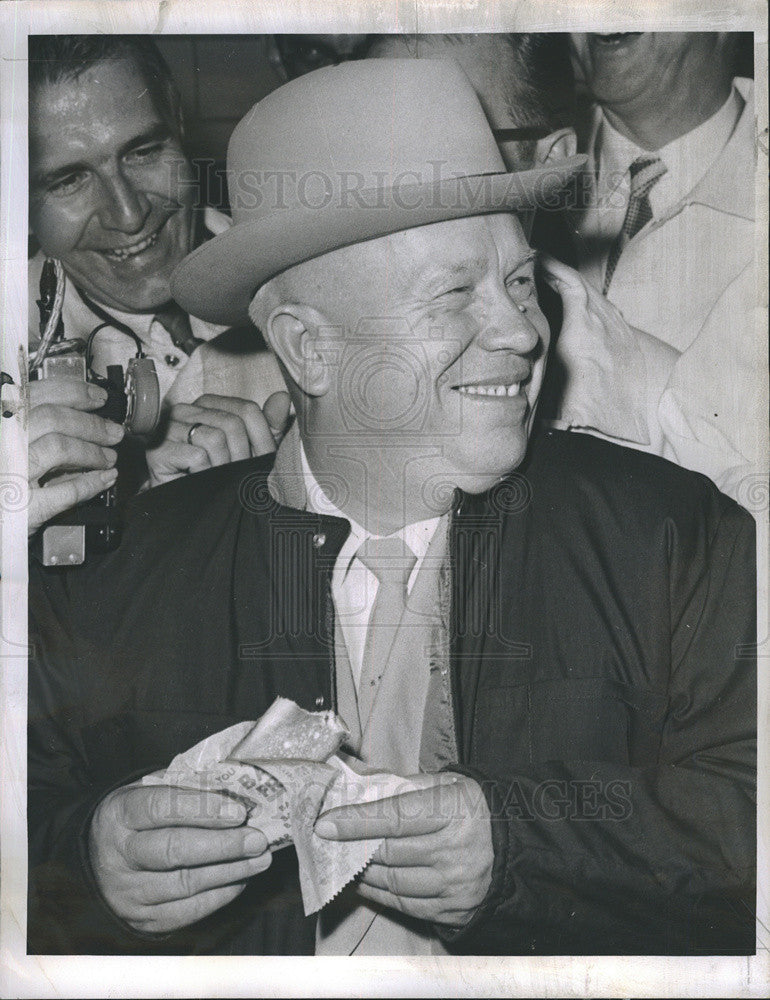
122 207
509 327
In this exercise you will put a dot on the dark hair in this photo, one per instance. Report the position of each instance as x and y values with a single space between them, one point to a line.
55 58
545 85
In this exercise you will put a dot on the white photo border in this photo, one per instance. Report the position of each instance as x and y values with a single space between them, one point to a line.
184 976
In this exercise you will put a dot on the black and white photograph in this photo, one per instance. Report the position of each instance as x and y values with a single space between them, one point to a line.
384 499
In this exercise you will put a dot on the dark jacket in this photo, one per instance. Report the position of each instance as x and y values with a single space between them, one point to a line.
604 694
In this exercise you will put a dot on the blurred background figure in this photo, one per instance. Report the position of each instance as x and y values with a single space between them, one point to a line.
294 55
524 82
113 204
667 232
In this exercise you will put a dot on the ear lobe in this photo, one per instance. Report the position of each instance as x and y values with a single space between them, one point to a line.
292 332
559 145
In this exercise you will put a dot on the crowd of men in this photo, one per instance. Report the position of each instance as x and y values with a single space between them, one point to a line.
514 603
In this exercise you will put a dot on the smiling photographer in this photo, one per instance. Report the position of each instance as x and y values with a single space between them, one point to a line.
113 207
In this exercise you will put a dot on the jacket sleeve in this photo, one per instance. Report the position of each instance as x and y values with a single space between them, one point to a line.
595 857
66 713
65 912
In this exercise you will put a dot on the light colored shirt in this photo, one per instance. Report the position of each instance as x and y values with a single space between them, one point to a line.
111 346
687 281
354 586
687 159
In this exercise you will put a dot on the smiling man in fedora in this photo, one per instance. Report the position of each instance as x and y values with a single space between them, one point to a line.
550 633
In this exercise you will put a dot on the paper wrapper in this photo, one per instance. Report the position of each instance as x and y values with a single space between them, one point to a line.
286 771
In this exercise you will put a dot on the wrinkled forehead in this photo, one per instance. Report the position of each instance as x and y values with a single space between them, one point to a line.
113 94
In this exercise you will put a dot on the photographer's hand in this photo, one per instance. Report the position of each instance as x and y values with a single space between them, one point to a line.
165 857
215 430
64 437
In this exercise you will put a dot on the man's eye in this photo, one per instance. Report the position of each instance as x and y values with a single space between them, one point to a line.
520 287
459 290
68 184
145 152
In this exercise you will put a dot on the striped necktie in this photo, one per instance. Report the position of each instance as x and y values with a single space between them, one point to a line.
391 561
645 171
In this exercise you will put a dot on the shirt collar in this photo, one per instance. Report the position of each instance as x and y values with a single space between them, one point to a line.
691 156
687 159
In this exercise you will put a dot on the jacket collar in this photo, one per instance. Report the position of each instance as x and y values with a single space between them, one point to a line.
286 483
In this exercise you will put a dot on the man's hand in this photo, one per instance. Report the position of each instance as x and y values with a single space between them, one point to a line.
606 374
436 861
64 436
165 857
215 430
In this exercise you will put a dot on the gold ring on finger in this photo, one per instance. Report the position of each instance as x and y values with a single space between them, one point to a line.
192 430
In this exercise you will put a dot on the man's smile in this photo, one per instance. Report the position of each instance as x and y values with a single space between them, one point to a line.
491 389
133 249
502 386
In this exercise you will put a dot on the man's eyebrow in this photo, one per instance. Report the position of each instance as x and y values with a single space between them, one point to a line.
156 133
456 269
530 257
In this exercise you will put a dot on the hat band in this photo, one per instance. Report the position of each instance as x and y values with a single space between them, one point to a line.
260 194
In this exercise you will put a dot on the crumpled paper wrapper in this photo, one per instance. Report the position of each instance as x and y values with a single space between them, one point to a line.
287 769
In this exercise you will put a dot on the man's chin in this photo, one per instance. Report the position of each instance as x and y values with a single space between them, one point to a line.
138 297
480 480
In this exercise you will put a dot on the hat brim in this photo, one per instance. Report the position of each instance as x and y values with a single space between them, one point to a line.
218 280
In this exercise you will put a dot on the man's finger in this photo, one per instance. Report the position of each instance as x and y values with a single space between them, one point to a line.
254 419
166 887
277 409
64 420
69 392
181 913
56 452
408 815
146 807
170 848
221 433
415 883
563 279
48 501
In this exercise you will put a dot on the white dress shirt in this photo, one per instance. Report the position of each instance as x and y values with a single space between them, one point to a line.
354 586
687 160
688 280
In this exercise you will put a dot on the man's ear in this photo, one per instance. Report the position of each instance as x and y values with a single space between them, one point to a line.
557 146
293 333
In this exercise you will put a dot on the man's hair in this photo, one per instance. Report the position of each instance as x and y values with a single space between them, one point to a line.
545 82
542 93
56 58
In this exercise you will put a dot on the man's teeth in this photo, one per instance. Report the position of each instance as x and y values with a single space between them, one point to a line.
125 252
511 389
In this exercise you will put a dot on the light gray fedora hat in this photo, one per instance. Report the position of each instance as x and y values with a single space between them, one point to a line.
346 154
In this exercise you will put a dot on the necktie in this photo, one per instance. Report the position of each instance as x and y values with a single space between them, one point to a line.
645 171
176 322
391 561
